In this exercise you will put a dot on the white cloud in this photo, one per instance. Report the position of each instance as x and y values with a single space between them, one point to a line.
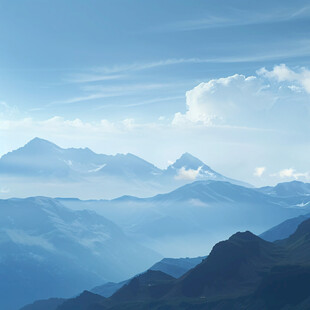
292 173
282 73
269 100
287 173
235 100
189 174
295 88
259 171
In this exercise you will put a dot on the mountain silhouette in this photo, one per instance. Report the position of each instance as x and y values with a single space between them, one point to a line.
243 272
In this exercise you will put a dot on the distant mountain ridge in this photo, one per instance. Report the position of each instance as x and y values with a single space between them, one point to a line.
97 174
43 158
284 229
287 189
177 267
200 213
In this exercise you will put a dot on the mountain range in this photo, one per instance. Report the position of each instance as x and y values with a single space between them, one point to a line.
49 250
41 168
41 234
58 247
200 213
243 272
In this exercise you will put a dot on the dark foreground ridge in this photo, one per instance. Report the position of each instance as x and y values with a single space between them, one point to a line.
243 272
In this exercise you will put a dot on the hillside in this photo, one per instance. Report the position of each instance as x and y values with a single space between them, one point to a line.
243 272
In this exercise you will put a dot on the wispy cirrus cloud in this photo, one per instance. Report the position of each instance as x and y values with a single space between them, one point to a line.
142 103
88 78
82 99
236 17
94 92
298 48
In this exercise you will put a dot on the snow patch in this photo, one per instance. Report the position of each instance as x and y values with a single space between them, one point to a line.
97 169
302 205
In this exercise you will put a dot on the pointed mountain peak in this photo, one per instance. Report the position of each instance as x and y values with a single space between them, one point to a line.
244 236
240 246
87 294
38 140
188 156
188 161
40 143
241 243
83 301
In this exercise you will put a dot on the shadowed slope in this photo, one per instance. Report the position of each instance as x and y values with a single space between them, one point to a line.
234 267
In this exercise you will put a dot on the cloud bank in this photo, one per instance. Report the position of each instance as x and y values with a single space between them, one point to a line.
272 99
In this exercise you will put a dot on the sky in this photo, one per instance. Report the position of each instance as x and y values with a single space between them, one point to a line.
227 81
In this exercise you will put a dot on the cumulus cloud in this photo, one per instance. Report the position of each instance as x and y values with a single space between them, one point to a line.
189 174
292 173
282 73
226 100
286 173
259 171
270 99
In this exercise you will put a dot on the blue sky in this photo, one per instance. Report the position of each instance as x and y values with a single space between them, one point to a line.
113 75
